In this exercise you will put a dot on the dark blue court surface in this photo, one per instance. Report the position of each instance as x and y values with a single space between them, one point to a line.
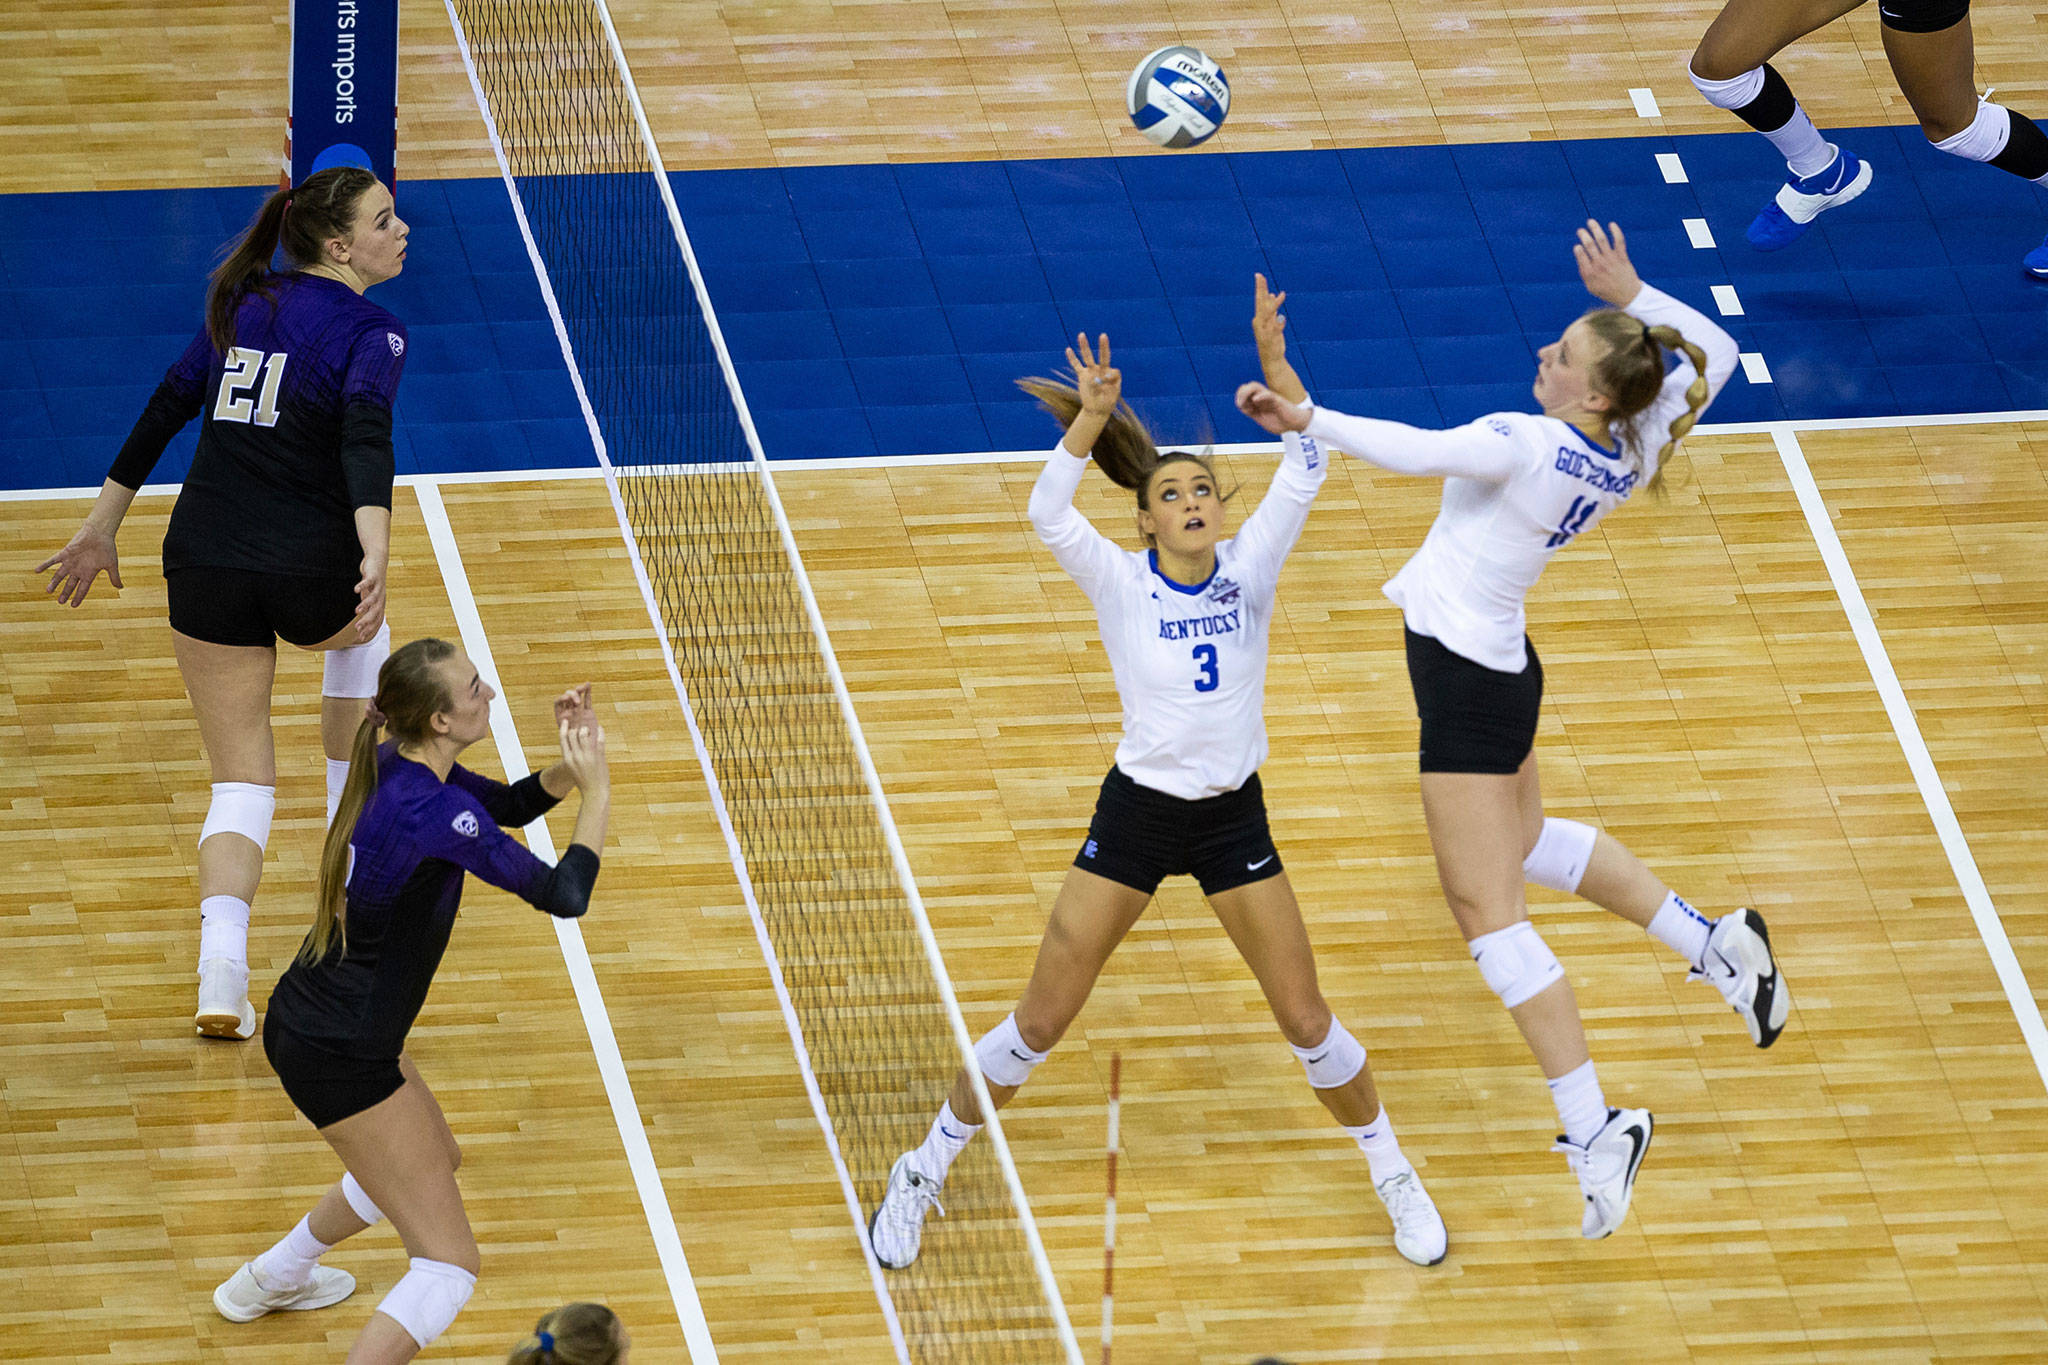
887 309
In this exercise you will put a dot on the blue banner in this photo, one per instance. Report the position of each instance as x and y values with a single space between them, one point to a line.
344 92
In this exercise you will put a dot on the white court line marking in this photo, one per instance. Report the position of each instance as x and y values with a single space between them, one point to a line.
1645 103
1754 369
943 459
1726 300
1699 234
1673 168
618 1088
1989 927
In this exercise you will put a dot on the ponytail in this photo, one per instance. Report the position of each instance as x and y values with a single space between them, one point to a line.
330 921
1124 451
243 271
301 220
1631 375
1671 339
574 1334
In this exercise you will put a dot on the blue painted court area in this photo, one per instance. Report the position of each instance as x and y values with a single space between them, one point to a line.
886 309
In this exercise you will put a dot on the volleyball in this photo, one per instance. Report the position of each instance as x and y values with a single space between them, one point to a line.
1177 96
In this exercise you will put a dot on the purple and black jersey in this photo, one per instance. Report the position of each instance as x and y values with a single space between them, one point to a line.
415 839
296 432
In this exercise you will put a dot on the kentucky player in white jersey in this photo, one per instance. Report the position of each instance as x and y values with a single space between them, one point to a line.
1184 624
1517 489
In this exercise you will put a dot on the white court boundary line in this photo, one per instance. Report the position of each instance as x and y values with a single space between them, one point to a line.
1989 927
942 460
597 1022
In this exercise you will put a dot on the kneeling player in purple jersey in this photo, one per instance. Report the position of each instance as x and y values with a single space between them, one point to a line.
283 527
1185 626
411 823
1517 489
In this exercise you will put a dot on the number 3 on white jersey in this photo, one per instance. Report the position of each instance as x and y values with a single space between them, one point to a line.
239 376
1205 655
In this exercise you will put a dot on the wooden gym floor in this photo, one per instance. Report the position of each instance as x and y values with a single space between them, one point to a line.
1870 1189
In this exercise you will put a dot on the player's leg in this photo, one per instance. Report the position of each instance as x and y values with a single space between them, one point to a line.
1476 828
1731 68
1264 921
1733 952
1932 52
1090 917
349 670
398 1149
230 690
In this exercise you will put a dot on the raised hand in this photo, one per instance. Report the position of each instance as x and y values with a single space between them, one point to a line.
1604 264
583 756
90 554
573 708
1101 384
1269 409
1269 324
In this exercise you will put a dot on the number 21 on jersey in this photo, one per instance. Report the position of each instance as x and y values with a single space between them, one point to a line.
1205 655
235 403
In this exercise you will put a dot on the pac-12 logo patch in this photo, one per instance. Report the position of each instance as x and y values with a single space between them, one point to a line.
397 343
465 824
1088 849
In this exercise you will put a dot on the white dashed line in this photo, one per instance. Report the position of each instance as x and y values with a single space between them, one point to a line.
1754 369
1725 300
1673 168
1645 103
1701 235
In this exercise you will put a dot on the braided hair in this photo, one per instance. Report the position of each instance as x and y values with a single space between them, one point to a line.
1631 375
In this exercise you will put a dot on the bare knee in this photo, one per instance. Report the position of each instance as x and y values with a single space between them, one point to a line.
1943 125
447 1249
1710 61
1304 1022
454 1153
1040 1032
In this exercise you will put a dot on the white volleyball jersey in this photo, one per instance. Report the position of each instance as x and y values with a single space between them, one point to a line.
1518 487
1190 662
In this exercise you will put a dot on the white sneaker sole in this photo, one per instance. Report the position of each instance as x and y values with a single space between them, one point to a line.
218 1023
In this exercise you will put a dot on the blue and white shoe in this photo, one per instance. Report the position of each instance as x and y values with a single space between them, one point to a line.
2036 261
1801 200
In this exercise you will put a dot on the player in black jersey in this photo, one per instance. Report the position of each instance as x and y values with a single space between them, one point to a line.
411 822
283 527
1932 54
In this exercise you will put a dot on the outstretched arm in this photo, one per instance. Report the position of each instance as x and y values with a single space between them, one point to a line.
1269 331
1485 449
1085 553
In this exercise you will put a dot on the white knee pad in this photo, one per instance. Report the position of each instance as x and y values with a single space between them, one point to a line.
242 808
1562 851
352 672
1730 94
359 1199
1006 1059
427 1299
1516 962
1986 136
1335 1060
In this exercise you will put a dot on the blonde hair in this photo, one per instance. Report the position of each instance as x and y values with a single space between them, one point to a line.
580 1333
409 692
1631 375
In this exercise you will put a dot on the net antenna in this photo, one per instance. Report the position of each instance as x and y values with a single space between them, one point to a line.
856 968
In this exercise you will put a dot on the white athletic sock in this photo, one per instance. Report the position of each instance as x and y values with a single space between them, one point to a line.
1382 1149
337 778
943 1144
1805 151
1681 928
290 1263
1580 1105
224 929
